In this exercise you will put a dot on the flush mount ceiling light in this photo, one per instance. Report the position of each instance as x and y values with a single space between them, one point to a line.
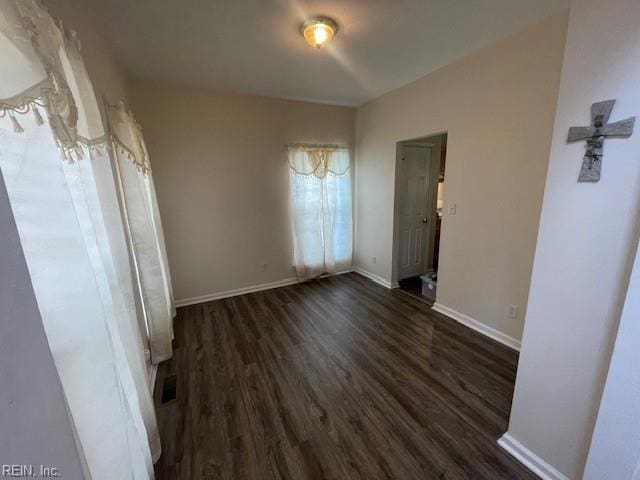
318 31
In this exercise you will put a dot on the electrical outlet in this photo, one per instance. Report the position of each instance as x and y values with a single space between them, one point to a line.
512 311
264 266
451 210
374 259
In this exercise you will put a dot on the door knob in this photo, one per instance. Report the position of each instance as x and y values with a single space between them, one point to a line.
425 220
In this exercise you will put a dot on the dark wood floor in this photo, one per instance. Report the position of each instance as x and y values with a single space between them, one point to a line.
337 378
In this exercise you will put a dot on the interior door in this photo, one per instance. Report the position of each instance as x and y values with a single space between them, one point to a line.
415 169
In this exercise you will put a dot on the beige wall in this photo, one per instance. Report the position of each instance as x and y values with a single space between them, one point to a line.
587 240
497 106
219 167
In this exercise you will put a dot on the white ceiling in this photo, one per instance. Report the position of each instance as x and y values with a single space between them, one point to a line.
254 46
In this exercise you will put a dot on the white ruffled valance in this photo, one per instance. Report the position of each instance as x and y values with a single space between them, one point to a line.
318 160
43 73
126 135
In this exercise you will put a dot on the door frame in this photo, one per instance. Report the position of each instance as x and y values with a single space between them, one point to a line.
423 141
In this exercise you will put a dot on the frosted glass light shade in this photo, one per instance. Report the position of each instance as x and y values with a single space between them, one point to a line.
319 31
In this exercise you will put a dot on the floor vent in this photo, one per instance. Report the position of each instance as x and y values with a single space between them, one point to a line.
168 389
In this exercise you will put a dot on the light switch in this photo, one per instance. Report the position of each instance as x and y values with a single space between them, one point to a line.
451 209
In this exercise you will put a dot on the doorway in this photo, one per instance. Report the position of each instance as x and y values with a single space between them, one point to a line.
420 168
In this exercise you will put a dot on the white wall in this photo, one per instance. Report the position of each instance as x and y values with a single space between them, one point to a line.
615 447
219 166
497 106
585 243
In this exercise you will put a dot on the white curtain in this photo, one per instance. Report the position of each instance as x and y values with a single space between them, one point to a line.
55 158
321 211
145 229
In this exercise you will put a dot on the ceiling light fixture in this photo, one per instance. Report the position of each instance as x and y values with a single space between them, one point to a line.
318 31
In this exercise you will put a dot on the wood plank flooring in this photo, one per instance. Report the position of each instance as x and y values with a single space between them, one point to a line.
337 378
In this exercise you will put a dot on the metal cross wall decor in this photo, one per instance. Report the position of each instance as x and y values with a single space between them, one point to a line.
595 135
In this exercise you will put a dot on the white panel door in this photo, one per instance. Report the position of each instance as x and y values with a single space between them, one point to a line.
415 169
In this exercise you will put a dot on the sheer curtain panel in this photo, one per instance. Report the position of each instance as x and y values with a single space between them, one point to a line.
321 212
145 229
55 156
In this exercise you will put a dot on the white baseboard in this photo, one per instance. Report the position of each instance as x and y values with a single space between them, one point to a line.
342 272
375 278
478 326
530 459
238 291
253 288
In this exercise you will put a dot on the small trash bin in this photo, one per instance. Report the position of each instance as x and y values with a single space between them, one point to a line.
429 286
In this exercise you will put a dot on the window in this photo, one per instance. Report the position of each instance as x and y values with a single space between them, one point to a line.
321 213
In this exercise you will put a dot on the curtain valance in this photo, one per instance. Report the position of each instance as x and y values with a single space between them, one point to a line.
126 135
43 70
44 74
318 160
